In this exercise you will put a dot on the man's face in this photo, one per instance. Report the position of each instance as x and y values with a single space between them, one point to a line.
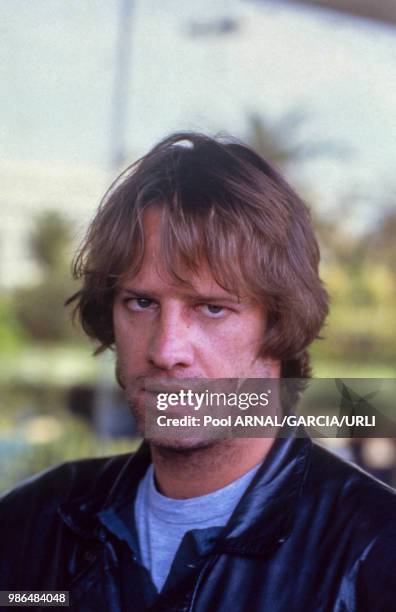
167 331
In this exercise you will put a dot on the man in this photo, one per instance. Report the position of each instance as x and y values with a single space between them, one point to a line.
201 264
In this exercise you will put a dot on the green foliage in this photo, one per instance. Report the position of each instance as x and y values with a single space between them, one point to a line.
41 312
382 242
40 309
11 333
361 326
33 369
33 445
50 240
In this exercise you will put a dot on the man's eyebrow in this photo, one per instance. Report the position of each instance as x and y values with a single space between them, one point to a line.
214 298
135 292
209 298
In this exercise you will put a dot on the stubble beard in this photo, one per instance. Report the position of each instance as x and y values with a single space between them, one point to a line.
193 454
135 397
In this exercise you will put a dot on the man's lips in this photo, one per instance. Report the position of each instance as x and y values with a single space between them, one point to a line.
194 384
175 386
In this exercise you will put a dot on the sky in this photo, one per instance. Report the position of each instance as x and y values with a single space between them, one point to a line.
56 69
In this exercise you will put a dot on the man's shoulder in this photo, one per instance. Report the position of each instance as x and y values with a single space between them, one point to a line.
349 518
349 488
50 488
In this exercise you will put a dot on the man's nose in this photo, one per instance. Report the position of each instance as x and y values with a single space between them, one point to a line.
171 342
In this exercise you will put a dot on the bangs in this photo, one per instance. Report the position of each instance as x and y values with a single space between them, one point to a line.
191 242
206 237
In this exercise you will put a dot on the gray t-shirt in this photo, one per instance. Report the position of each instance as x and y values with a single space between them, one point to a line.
162 521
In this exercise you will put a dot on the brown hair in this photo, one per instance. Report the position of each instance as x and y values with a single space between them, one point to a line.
220 203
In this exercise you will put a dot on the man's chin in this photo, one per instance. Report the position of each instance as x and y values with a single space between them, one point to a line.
180 445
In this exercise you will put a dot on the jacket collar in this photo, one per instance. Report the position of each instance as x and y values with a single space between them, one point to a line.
265 514
114 489
262 519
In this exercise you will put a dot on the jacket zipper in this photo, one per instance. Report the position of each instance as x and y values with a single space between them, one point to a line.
208 566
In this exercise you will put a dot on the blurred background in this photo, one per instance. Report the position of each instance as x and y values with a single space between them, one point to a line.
88 87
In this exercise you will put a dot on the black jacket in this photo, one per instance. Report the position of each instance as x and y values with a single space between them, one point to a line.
312 533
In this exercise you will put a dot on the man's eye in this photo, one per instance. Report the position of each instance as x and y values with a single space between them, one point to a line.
138 304
211 310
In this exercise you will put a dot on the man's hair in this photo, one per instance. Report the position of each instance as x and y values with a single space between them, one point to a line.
221 205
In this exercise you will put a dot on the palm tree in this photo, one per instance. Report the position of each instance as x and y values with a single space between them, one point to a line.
279 141
50 239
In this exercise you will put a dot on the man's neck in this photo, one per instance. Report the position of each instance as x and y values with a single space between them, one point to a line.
182 474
